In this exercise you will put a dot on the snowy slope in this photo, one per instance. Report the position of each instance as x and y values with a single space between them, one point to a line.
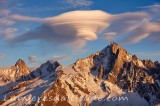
13 73
110 77
28 92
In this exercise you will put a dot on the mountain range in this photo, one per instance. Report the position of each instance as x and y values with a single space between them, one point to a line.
110 77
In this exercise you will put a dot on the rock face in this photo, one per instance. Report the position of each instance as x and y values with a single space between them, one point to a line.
125 70
30 85
110 58
106 74
15 72
100 72
44 70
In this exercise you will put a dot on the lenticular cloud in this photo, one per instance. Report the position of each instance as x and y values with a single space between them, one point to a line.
82 24
76 27
71 28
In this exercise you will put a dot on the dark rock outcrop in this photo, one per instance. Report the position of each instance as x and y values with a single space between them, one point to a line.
125 70
13 73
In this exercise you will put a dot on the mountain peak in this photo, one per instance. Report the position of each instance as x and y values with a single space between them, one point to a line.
20 62
22 66
116 46
14 72
46 68
52 62
113 43
105 73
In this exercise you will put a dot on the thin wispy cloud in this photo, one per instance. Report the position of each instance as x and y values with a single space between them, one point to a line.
59 58
148 30
8 33
32 59
152 8
110 36
142 25
4 12
4 20
8 19
18 17
149 55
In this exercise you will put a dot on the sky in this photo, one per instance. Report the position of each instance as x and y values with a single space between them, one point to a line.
67 30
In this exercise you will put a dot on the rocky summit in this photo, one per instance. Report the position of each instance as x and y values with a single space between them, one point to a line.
14 72
110 77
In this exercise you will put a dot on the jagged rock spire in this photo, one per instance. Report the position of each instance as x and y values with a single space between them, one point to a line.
20 63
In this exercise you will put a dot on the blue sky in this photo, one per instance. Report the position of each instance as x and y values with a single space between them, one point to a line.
24 23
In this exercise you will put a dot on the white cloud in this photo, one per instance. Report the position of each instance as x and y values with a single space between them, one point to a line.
85 24
66 30
32 58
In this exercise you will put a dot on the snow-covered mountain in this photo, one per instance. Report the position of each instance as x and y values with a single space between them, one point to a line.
29 86
14 73
110 77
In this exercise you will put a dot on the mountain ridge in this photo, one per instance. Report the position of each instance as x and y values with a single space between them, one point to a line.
111 72
14 72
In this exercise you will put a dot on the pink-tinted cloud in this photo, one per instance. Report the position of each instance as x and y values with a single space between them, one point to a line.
18 17
4 21
110 36
32 58
60 58
4 12
138 26
8 32
7 19
144 31
122 24
65 30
